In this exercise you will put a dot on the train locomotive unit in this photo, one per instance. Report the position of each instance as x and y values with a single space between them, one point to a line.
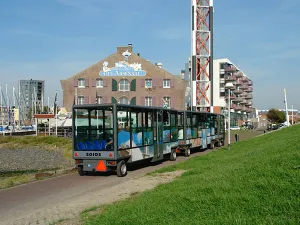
108 137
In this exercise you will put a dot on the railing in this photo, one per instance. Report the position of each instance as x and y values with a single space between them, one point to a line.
238 74
249 96
230 78
230 68
238 107
249 89
238 82
232 97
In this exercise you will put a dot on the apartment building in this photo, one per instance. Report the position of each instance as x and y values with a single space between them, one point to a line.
240 95
224 71
31 93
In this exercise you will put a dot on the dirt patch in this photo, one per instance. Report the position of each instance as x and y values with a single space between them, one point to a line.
68 212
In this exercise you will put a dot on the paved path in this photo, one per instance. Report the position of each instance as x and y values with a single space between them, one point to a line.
40 202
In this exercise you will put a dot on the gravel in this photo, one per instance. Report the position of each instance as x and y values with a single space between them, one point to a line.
32 159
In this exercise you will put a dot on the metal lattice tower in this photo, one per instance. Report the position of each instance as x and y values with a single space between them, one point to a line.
202 57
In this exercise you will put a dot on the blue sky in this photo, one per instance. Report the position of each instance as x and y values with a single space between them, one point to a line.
53 39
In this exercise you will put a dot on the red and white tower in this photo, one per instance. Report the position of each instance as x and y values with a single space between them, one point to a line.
202 55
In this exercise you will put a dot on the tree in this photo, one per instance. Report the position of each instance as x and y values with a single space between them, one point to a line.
276 116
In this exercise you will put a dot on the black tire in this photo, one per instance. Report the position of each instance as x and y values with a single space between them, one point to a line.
187 152
121 169
80 171
212 145
173 155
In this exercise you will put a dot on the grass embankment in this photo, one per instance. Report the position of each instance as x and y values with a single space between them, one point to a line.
256 182
50 143
38 142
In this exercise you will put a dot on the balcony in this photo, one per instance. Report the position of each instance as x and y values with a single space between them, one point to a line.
230 78
249 89
238 108
244 87
249 103
222 80
244 102
244 109
238 83
250 83
238 74
232 97
250 96
222 89
238 99
237 91
245 79
230 68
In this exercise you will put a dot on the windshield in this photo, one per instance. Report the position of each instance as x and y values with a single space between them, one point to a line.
93 129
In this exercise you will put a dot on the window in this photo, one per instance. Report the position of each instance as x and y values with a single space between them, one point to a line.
99 83
93 129
124 100
80 100
99 100
124 85
148 101
81 82
166 83
148 83
167 102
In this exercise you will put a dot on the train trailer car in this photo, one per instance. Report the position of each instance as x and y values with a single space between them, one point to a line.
200 130
107 137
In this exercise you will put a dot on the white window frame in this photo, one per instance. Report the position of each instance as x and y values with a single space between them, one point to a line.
150 81
120 100
99 83
81 83
80 100
166 83
148 101
124 86
99 100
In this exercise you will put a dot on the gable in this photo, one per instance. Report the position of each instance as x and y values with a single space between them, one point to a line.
151 69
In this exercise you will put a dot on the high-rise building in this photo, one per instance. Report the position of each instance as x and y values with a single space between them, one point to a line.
224 71
31 94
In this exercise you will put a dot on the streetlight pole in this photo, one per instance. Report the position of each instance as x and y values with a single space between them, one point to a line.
229 86
229 119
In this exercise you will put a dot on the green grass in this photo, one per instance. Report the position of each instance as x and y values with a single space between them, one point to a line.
256 182
32 142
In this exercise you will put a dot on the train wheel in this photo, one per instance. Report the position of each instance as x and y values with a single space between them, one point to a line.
80 171
121 169
173 155
187 152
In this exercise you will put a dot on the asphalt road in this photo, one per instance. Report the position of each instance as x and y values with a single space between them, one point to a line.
19 201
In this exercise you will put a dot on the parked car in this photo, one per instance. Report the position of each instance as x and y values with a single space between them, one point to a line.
235 128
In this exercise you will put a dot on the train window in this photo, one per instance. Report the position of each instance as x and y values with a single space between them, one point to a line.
180 122
93 126
167 130
173 123
148 128
194 126
188 125
137 128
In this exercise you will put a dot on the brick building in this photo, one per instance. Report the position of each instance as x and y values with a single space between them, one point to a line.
125 77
